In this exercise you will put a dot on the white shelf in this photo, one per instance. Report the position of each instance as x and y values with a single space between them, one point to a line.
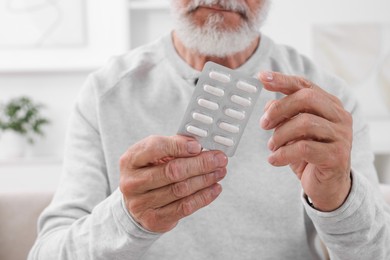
148 4
30 175
42 160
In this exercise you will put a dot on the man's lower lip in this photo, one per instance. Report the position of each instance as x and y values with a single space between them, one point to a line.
215 9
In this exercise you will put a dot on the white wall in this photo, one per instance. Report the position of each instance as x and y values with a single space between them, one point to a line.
290 22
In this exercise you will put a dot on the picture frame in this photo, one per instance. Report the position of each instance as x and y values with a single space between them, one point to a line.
106 34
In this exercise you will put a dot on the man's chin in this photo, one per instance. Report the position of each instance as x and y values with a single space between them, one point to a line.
217 42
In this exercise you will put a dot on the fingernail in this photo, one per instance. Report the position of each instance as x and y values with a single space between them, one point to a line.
193 147
264 121
271 159
216 190
267 76
220 174
220 159
271 144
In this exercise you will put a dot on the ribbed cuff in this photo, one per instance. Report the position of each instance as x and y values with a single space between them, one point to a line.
349 216
127 222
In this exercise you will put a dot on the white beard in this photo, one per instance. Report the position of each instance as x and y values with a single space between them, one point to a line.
210 39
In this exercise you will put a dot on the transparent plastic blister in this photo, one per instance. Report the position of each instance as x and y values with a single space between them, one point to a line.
220 108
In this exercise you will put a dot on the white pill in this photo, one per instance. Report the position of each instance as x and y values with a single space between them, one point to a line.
223 140
229 127
219 76
241 101
202 118
208 104
235 114
213 90
196 131
246 87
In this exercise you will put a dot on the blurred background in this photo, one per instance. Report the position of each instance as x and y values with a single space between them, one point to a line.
47 49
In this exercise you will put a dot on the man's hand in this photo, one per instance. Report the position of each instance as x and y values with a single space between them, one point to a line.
164 179
313 135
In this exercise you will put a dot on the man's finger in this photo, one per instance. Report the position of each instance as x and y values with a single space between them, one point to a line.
286 84
317 153
303 101
278 82
303 127
187 206
183 168
177 170
163 196
153 149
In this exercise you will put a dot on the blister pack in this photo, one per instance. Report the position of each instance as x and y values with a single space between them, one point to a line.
220 108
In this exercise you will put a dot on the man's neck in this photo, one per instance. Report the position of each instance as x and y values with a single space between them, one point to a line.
197 61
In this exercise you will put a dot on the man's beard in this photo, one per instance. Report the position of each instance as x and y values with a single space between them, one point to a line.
211 39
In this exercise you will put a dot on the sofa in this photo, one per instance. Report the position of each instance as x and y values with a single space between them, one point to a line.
19 212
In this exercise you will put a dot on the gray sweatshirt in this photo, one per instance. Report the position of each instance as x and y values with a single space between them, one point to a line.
261 213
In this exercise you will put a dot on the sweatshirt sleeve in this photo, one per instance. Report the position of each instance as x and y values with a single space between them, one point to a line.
360 228
85 220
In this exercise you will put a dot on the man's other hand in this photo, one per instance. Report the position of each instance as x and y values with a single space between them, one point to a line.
313 135
164 179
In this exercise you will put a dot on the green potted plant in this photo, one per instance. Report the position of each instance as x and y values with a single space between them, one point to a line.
20 123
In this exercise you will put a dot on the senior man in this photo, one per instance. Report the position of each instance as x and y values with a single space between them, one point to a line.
132 189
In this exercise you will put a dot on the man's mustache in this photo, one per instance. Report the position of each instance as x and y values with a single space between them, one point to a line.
229 5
